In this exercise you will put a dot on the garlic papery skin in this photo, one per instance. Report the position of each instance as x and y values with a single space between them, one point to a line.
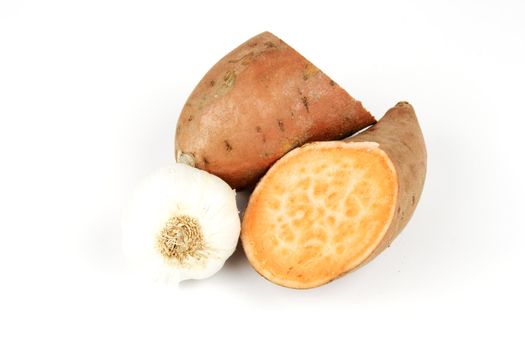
182 223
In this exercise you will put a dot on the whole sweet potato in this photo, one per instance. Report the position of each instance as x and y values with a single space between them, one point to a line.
256 104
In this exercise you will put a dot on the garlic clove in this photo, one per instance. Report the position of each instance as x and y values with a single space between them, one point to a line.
182 223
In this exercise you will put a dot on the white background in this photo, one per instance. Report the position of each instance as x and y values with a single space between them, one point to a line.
90 92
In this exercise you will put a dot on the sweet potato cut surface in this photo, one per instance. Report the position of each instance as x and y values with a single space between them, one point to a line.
256 104
320 212
329 207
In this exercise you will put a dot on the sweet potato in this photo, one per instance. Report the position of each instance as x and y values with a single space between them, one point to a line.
256 104
327 208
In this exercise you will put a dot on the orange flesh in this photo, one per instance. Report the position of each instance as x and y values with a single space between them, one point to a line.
319 212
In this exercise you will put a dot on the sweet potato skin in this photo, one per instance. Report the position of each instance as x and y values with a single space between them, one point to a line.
398 134
256 104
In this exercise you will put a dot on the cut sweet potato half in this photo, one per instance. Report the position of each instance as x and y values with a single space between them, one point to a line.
257 103
329 207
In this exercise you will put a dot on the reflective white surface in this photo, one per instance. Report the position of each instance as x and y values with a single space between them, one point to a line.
89 98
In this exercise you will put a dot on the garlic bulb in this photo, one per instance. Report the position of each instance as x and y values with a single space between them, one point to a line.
182 223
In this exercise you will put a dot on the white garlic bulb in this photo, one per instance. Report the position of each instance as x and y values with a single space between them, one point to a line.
182 223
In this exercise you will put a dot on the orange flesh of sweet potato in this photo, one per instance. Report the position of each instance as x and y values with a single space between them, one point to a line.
329 207
256 104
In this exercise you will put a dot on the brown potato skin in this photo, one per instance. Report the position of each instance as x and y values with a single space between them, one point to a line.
398 134
256 104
